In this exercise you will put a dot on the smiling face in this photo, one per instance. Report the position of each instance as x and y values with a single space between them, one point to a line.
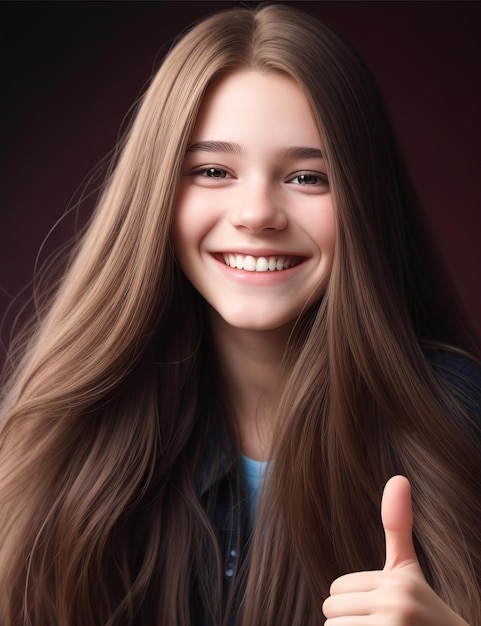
254 228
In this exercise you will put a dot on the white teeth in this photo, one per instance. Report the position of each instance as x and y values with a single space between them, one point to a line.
249 264
261 264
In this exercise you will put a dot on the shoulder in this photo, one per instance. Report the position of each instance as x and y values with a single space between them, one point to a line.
458 366
461 373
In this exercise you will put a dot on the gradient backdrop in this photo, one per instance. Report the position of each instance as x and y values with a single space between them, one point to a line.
72 70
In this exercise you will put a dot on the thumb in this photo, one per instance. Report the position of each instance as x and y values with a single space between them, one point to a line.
397 520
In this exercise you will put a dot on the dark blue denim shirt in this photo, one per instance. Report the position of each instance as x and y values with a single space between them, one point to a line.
231 517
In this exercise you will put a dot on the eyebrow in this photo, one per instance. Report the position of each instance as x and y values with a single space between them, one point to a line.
216 146
301 153
228 147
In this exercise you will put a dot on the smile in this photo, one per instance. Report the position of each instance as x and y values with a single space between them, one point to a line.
260 264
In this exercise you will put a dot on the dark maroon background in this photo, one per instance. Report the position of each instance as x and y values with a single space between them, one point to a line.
73 69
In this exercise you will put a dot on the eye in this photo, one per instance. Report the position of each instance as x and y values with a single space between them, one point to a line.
211 172
309 178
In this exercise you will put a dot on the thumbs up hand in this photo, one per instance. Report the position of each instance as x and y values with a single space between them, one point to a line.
398 594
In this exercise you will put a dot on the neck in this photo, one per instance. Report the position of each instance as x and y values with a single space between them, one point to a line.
251 366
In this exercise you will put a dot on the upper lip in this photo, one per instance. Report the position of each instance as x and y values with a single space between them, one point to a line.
259 252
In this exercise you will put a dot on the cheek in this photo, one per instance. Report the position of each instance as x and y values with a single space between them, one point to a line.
187 222
184 244
180 226
194 219
194 216
325 228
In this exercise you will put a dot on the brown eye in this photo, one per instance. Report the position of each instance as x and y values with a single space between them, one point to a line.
214 172
309 179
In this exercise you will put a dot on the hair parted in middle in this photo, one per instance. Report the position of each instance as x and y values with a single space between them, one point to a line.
119 386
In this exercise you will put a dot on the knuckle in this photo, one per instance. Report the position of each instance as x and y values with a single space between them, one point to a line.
327 607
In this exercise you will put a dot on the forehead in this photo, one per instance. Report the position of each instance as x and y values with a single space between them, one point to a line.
248 105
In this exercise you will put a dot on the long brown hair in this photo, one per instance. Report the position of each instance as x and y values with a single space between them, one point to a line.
105 421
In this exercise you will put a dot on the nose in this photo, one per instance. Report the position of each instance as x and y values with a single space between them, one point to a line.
258 209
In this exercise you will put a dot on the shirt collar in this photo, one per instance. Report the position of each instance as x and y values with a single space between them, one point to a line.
217 457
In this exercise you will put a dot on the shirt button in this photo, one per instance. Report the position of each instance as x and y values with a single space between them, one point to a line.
233 553
229 572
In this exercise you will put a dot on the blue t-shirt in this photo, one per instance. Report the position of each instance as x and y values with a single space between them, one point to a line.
252 471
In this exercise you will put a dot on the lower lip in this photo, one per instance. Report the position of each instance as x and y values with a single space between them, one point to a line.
261 279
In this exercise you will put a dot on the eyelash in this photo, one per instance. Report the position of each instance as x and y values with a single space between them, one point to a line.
203 171
321 178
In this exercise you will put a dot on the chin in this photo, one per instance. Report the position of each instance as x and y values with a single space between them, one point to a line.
257 325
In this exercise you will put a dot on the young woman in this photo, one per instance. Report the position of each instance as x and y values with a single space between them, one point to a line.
254 295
